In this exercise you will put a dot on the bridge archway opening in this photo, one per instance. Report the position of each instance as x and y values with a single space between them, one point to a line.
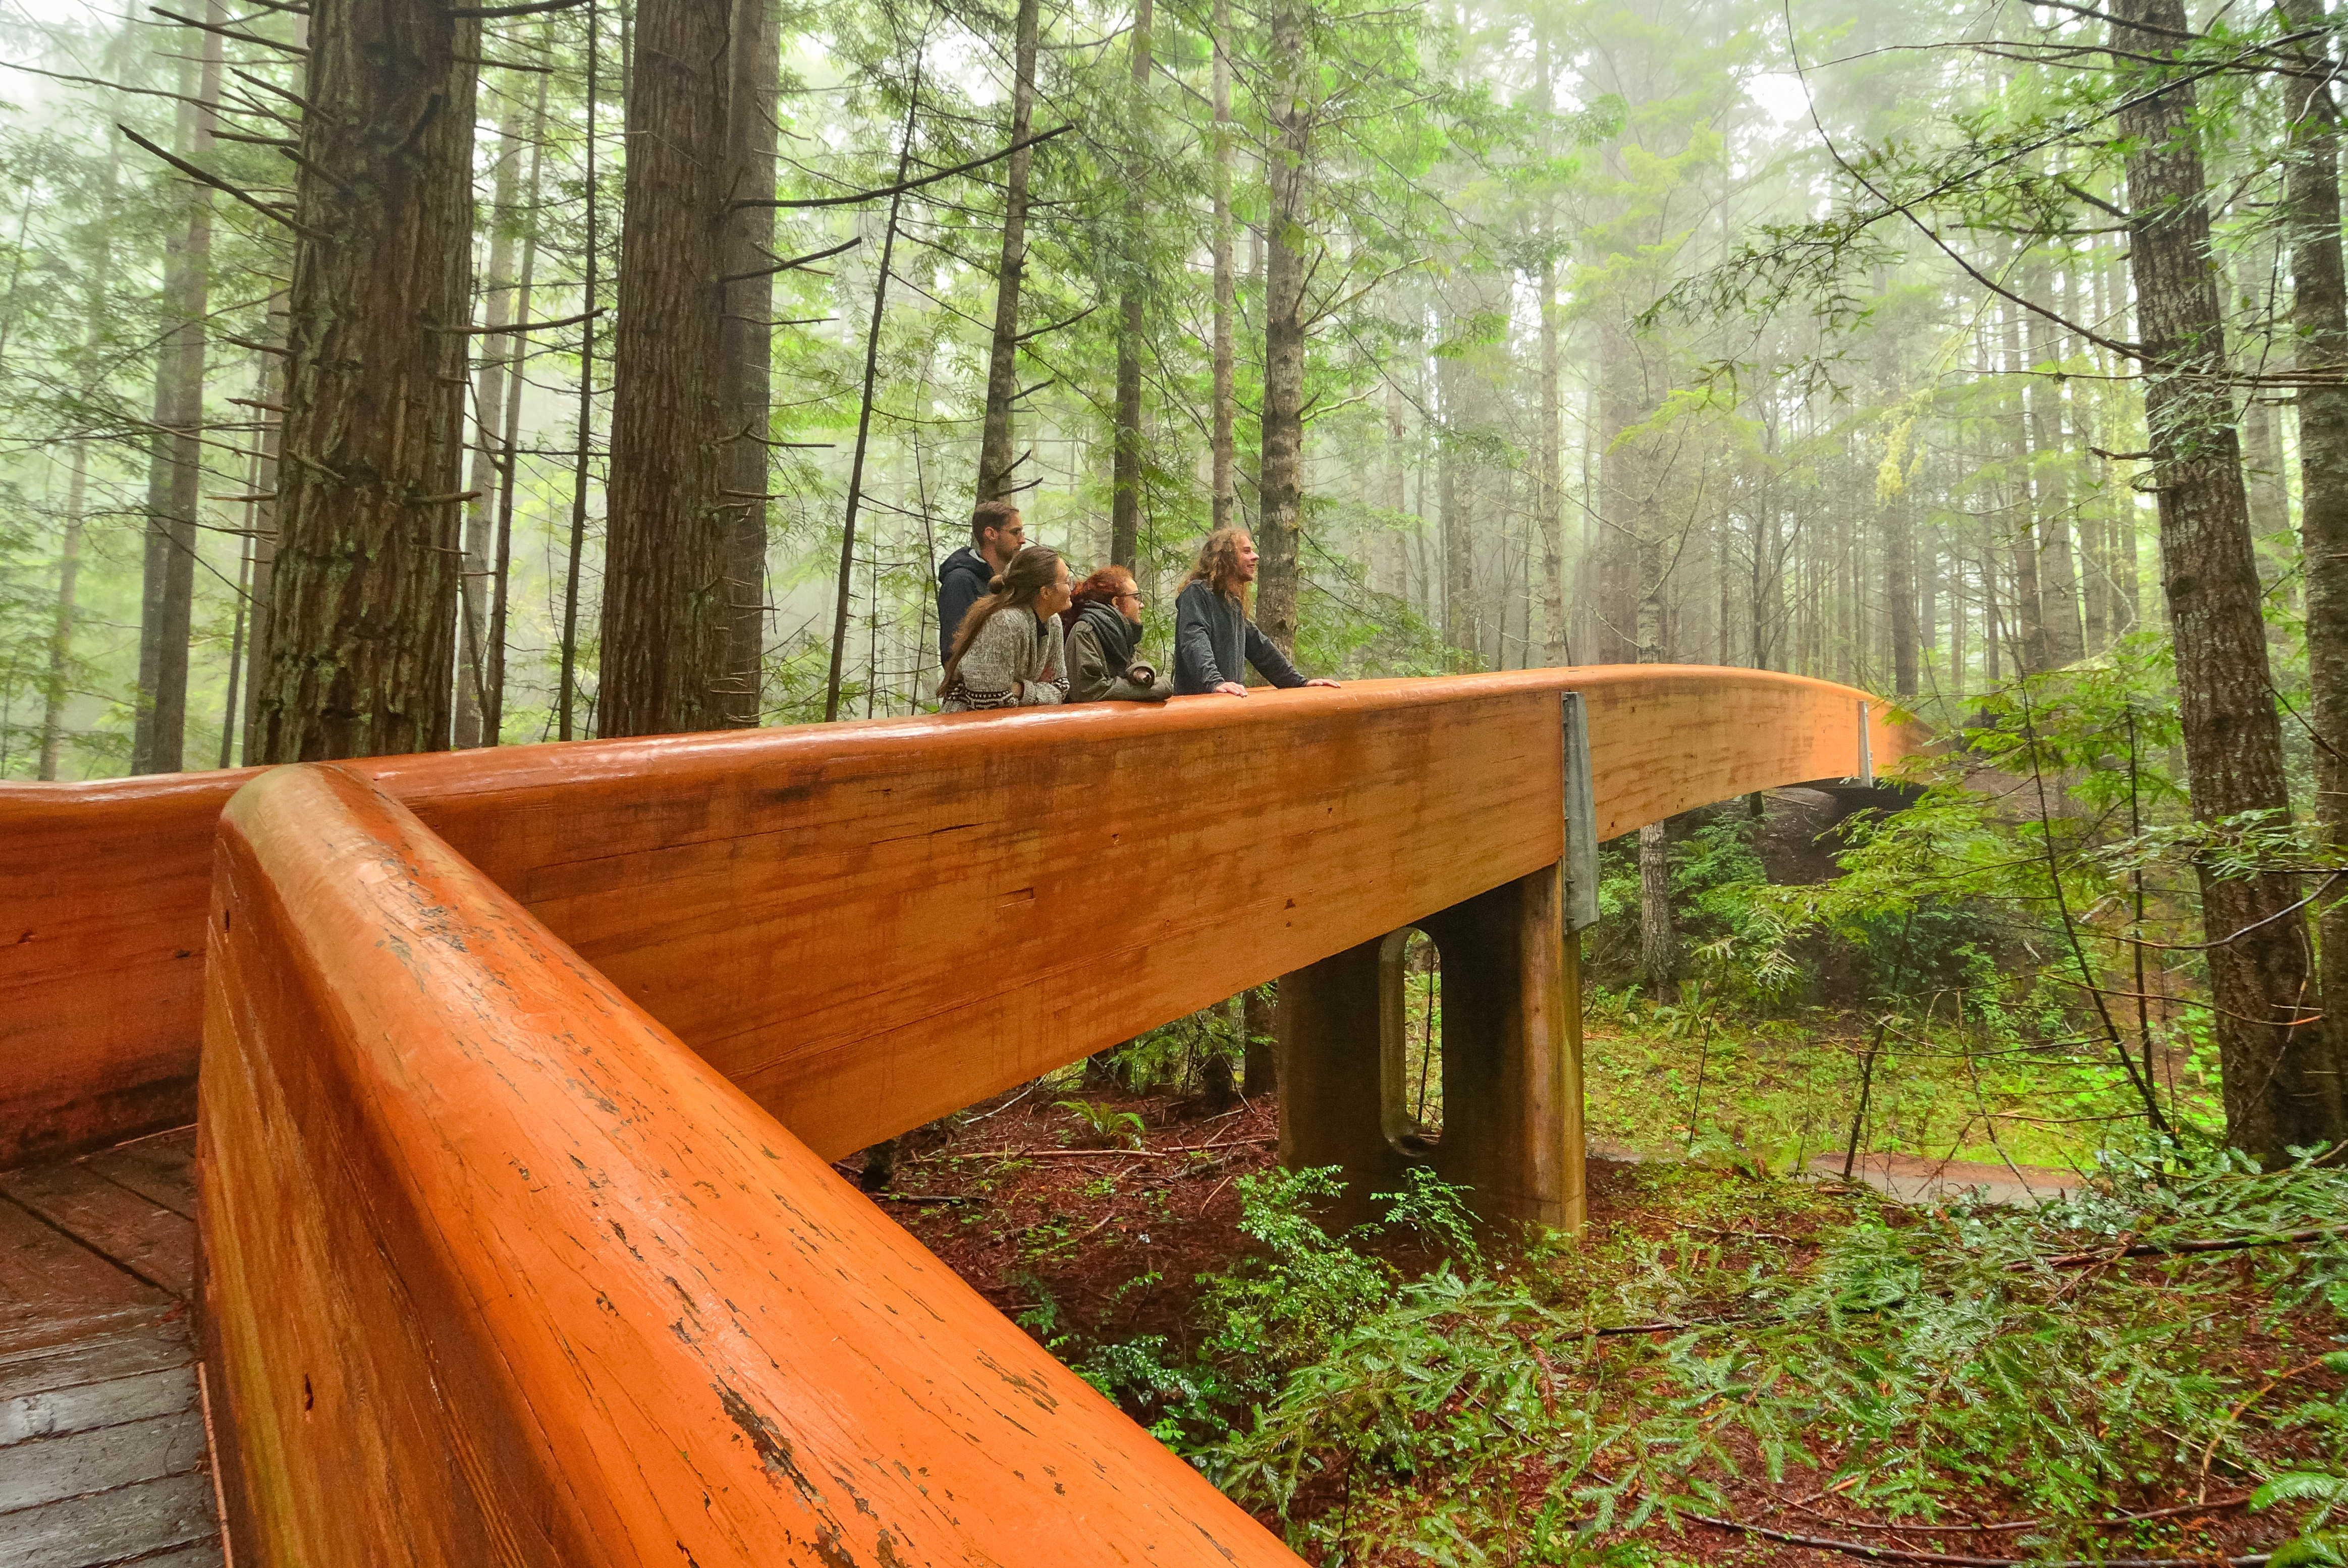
1410 1043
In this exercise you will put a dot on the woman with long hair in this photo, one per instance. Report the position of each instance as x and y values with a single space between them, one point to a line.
1007 653
1214 641
1104 621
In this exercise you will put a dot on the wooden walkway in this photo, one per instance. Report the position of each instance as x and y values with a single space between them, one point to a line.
102 1457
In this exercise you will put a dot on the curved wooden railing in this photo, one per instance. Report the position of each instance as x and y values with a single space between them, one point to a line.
521 1069
718 877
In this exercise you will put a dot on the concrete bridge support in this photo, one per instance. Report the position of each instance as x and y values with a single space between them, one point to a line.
1511 1060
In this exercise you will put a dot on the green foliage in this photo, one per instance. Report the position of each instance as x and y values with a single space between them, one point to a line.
1107 1126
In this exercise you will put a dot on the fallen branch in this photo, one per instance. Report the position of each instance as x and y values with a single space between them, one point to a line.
2165 1249
1960 1560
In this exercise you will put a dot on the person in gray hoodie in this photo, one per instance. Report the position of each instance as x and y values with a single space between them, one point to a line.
1214 641
996 533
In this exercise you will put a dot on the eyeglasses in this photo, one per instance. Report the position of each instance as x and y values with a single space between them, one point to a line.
1135 597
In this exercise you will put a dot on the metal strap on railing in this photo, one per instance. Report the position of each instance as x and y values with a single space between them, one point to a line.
1580 819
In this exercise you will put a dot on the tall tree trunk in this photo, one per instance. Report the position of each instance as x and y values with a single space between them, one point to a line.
175 476
1279 479
363 594
2033 654
508 442
1125 472
1658 935
996 459
1899 518
2058 576
1548 512
1454 493
2320 323
1222 355
749 351
566 684
99 277
665 608
500 358
2280 1085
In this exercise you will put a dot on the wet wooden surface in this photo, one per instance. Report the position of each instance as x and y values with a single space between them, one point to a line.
102 884
101 1431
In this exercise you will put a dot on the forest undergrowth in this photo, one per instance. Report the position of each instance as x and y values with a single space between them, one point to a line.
1724 1365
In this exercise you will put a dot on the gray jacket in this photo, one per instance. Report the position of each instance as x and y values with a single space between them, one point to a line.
1100 660
1214 642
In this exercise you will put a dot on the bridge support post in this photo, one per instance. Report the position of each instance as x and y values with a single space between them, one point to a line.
1511 1061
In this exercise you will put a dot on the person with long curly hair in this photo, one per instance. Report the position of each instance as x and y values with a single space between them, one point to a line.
1214 641
1104 633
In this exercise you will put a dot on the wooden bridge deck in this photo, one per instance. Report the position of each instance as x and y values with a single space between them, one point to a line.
102 1452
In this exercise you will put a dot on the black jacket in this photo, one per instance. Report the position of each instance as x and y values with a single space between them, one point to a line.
963 578
1214 642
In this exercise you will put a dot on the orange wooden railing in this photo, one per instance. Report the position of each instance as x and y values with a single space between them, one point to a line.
806 905
520 1069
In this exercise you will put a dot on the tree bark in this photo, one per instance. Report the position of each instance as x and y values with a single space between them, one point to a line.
1279 479
363 594
1658 935
2320 323
2058 574
996 459
1125 471
1222 355
2032 654
175 474
566 684
665 614
509 441
749 351
500 358
1548 512
2279 1086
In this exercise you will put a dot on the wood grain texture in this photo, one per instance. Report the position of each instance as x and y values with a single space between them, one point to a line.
823 910
498 1270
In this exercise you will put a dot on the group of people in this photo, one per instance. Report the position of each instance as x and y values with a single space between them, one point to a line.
1015 631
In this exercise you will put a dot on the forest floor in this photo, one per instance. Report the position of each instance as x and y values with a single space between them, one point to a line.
1093 1249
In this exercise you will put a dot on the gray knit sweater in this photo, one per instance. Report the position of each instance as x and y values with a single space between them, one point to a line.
1015 661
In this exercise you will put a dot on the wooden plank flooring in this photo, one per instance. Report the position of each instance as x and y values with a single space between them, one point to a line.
102 1457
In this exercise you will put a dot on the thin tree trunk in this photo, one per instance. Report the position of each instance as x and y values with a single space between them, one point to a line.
2280 1087
996 459
1898 520
1658 936
57 691
1548 512
666 612
749 353
509 439
2058 574
363 596
864 406
2320 327
2033 654
1222 355
175 478
567 680
1279 478
497 360
1124 470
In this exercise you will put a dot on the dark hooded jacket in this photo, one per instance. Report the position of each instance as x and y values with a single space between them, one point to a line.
963 578
1101 644
1215 642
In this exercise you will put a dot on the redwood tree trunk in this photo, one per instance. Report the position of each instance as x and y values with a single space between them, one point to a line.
363 593
2319 320
995 458
2279 1089
1280 481
749 353
665 609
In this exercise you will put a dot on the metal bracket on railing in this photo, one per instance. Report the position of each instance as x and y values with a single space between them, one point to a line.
1580 820
1866 751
